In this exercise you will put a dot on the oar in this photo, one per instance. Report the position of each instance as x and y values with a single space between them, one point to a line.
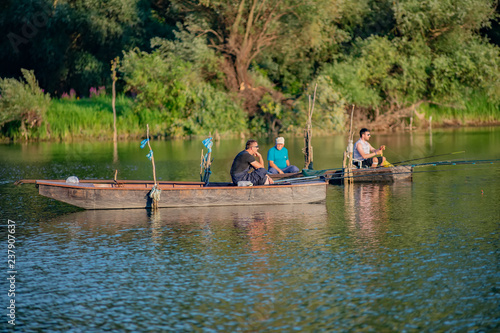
423 158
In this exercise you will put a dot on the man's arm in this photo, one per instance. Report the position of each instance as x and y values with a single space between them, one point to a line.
258 164
273 165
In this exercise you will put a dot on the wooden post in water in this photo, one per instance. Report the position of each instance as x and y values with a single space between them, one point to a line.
308 149
114 65
155 191
350 149
152 155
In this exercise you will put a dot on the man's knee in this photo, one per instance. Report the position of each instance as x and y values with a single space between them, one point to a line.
292 169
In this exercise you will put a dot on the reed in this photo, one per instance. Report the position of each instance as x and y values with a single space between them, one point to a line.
479 108
86 118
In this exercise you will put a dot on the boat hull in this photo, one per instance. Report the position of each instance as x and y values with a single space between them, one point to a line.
374 175
136 195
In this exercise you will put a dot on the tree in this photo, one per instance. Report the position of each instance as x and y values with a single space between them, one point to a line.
242 30
434 54
69 43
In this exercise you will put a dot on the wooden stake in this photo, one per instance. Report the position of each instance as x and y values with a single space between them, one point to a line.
308 149
152 156
350 149
114 65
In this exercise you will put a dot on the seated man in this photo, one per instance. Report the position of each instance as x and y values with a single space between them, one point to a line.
246 168
277 157
364 155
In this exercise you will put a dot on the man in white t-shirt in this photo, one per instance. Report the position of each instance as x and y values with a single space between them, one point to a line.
364 155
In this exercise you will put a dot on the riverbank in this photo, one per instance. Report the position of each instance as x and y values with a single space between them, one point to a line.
92 118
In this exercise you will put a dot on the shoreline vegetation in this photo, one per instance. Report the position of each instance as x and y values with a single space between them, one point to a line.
241 68
92 118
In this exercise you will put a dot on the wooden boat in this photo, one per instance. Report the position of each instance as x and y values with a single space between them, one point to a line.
99 194
373 175
364 175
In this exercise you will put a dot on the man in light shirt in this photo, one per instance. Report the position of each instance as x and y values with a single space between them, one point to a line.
364 154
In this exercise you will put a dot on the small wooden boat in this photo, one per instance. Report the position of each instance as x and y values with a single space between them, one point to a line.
99 194
364 175
372 175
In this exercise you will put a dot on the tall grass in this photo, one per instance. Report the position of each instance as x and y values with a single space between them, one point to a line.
88 118
93 118
479 108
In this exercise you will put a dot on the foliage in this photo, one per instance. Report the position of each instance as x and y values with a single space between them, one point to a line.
176 92
434 18
22 104
194 66
472 67
278 31
70 43
329 107
422 61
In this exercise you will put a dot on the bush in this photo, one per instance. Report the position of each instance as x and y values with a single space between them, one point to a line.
174 97
22 105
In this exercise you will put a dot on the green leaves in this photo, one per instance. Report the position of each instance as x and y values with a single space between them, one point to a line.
176 90
23 103
433 18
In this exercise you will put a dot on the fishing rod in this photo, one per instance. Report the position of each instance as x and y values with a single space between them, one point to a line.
453 162
383 174
423 158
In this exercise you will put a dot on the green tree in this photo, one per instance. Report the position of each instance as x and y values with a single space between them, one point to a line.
243 31
70 43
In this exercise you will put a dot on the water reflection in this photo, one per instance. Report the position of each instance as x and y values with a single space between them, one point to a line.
368 209
255 222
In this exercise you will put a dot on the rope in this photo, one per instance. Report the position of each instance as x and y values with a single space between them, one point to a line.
155 195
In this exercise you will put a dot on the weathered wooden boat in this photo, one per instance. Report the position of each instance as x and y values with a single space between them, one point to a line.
372 175
364 175
99 194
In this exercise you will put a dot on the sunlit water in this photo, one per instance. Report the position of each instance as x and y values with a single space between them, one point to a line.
419 256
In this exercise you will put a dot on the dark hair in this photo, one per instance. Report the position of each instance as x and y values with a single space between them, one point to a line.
249 143
363 130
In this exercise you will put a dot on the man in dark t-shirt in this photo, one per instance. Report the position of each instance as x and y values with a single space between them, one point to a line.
246 168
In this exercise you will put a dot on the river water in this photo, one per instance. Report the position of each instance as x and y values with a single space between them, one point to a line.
420 256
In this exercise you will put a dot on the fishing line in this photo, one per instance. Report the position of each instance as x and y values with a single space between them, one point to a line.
423 158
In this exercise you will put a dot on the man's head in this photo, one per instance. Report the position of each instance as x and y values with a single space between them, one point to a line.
364 133
252 146
280 142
